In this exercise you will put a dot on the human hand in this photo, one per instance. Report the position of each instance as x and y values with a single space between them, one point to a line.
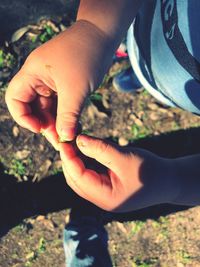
132 178
48 93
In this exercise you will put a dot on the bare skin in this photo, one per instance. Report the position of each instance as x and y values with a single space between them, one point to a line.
71 65
131 178
48 93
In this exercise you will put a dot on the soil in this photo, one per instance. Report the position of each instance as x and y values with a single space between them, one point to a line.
36 202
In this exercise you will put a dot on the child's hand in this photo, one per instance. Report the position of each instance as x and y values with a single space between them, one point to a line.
58 75
133 179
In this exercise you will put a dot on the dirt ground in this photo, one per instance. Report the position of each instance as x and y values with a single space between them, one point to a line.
35 200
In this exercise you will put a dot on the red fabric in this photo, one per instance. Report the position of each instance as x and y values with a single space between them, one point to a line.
120 53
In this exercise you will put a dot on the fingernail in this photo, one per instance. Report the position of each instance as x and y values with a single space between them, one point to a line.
82 141
62 139
66 135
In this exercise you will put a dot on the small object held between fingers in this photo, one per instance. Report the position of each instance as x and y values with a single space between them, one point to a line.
62 140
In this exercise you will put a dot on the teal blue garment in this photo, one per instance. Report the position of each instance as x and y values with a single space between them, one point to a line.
164 49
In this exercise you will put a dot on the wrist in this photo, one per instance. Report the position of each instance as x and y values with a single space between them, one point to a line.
158 178
164 185
169 180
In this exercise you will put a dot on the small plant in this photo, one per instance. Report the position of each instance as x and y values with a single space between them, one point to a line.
47 34
163 220
41 245
143 263
30 257
1 58
19 228
139 132
17 168
87 132
7 60
95 97
33 255
56 171
136 227
155 224
145 92
184 257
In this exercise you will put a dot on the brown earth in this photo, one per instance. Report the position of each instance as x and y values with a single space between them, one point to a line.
35 200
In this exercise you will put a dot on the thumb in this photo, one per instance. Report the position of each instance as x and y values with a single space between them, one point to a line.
102 151
70 103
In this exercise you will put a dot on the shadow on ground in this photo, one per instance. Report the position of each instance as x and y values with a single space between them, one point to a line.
22 200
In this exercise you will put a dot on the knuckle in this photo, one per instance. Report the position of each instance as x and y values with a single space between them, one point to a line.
34 60
34 56
67 117
110 207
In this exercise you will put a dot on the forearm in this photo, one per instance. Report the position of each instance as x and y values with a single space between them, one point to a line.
186 173
172 181
113 18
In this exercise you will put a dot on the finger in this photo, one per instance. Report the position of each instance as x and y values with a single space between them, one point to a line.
70 103
71 183
19 95
43 90
44 103
48 128
49 131
101 151
87 183
23 115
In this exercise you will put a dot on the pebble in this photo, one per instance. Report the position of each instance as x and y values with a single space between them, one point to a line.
132 117
40 218
15 131
170 114
48 224
123 141
115 133
140 114
93 112
67 218
154 116
45 167
105 101
163 110
22 154
63 27
121 227
138 122
41 147
53 26
57 164
152 106
19 33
